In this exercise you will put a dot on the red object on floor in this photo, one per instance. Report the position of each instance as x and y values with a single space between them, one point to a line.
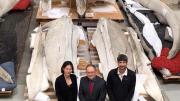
173 65
22 5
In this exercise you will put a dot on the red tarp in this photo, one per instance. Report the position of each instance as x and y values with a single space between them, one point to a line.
22 5
173 65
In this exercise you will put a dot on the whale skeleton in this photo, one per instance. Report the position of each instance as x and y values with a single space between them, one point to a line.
54 46
110 40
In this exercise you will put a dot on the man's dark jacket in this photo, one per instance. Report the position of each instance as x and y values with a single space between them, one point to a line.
121 90
99 89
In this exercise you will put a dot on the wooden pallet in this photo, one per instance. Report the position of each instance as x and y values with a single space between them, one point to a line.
73 14
173 78
6 93
83 53
93 51
115 15
89 16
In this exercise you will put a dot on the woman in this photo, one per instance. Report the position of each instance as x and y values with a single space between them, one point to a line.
66 84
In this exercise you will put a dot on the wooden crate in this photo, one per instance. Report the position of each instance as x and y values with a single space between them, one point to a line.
116 15
73 14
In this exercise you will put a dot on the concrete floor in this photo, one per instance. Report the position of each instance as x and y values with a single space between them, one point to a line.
18 94
172 91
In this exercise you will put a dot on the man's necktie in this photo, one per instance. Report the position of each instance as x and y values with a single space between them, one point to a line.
91 87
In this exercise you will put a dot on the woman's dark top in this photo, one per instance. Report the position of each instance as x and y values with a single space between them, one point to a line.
66 92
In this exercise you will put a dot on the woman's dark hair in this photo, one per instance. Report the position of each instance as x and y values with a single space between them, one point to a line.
66 63
122 57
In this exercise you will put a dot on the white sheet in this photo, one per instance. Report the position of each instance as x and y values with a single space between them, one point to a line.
135 5
170 32
57 12
33 37
151 36
42 97
81 33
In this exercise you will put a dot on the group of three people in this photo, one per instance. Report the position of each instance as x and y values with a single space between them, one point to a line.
120 83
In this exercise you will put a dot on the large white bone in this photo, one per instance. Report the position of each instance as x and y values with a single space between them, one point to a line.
61 45
36 80
142 65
